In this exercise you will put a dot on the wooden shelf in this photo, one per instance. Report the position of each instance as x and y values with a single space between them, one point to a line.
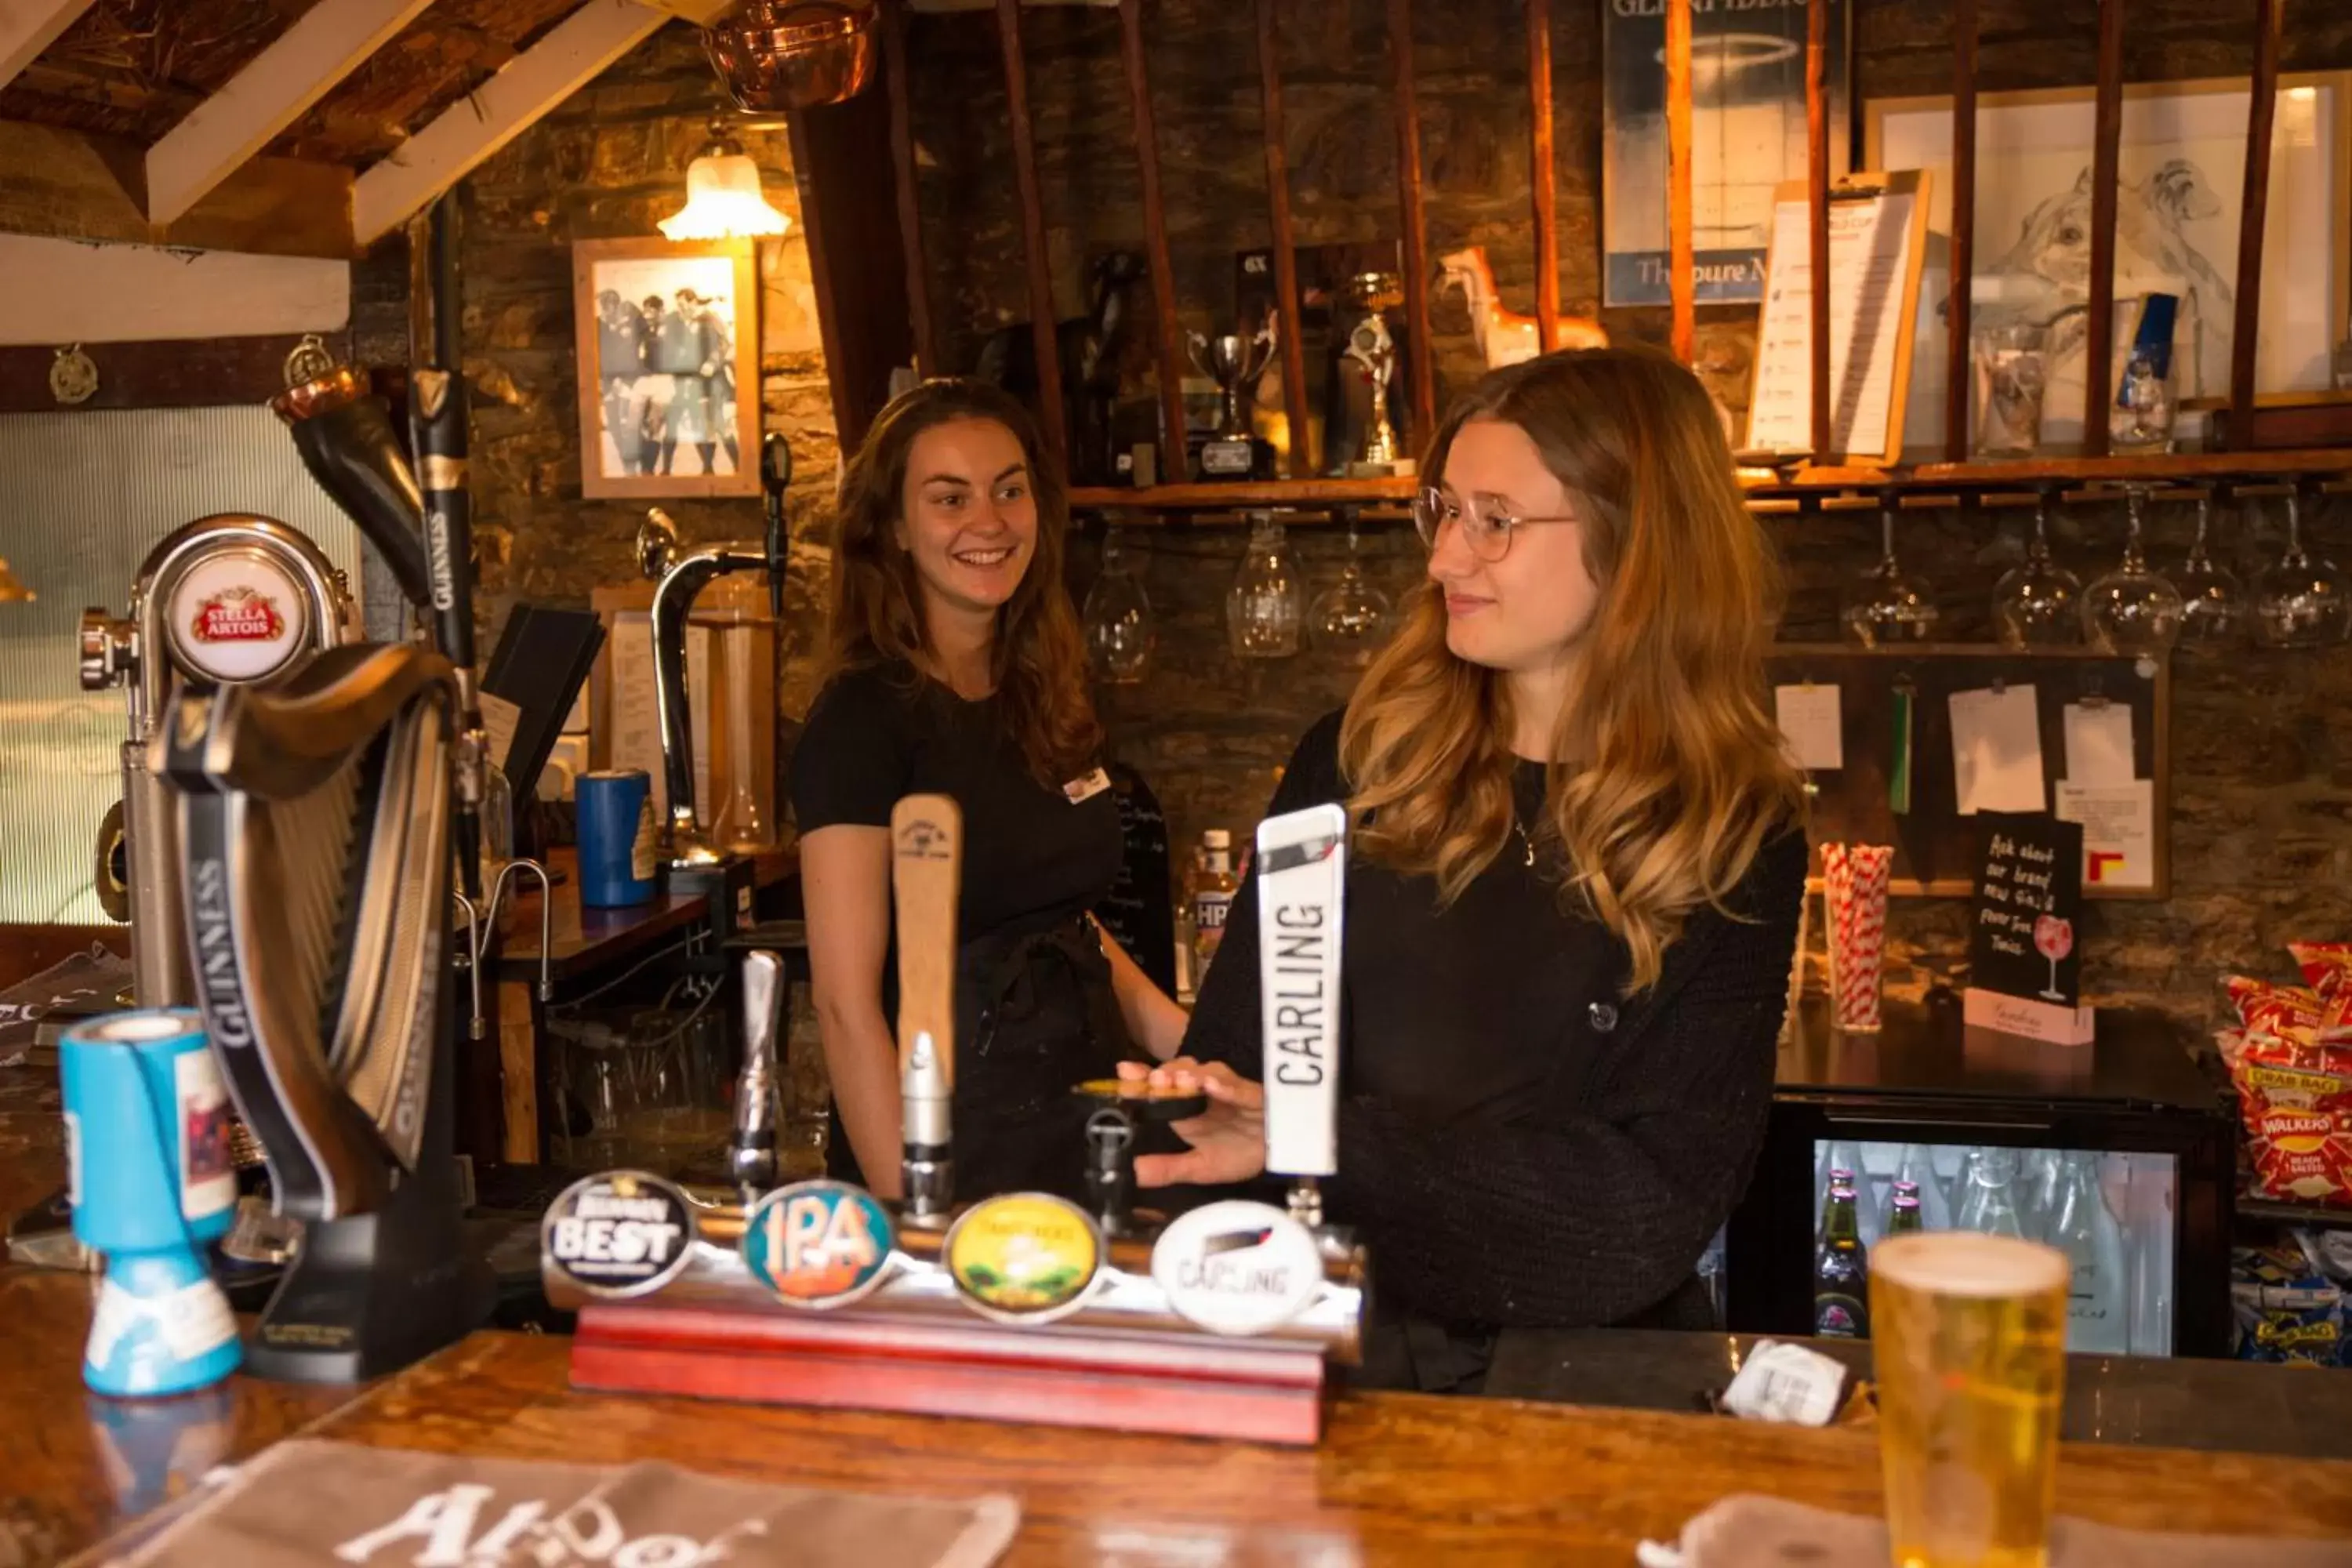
1805 484
2271 1211
2013 473
1257 495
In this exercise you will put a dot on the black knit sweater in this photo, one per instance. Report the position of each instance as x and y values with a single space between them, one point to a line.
1547 1152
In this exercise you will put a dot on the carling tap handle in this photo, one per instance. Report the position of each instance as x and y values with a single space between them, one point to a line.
1302 883
751 1153
926 877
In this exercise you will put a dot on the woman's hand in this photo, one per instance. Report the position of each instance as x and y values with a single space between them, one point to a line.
1228 1140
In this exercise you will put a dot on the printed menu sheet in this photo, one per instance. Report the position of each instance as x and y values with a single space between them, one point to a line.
1876 247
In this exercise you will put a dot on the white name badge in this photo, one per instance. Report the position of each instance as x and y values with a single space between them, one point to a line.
1302 870
1237 1267
1086 786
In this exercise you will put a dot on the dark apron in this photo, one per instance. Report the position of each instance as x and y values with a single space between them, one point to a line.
1036 1017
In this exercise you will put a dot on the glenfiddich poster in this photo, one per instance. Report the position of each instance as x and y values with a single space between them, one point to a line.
1747 135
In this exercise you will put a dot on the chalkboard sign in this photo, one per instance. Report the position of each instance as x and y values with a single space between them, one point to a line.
2025 965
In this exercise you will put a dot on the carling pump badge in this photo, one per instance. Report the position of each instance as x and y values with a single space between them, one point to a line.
1237 1267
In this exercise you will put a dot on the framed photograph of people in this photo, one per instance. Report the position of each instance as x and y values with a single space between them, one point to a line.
668 341
1747 135
2181 186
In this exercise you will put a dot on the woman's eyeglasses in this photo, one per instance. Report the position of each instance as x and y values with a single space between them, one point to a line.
1486 527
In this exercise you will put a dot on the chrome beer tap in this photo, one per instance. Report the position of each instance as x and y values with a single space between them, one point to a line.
227 600
680 578
752 1151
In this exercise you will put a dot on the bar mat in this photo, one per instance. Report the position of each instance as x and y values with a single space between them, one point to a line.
310 1503
1748 1530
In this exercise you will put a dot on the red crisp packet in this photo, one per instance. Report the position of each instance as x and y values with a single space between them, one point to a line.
2296 1099
2268 1009
2326 965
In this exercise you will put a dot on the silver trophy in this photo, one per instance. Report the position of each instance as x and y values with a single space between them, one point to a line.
1233 362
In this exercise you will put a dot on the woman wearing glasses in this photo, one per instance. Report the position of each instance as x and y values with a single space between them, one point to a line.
1576 865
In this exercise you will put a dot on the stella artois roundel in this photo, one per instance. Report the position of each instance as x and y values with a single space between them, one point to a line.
238 615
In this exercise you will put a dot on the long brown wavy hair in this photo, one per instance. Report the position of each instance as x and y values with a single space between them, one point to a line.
1665 775
1039 660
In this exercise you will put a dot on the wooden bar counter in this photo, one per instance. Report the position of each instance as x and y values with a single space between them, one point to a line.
1400 1478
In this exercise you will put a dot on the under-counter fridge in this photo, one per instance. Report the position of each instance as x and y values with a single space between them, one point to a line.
2121 1153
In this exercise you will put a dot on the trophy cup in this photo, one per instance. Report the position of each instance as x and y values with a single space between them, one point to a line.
1233 362
1370 346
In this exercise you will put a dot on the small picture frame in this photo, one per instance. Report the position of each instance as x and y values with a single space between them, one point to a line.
668 337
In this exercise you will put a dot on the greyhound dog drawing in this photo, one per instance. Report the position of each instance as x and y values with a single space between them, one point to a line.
2044 279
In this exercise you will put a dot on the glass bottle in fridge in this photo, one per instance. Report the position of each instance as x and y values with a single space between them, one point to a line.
1990 1203
2098 1297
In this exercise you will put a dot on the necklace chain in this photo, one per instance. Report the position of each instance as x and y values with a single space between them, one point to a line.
1529 843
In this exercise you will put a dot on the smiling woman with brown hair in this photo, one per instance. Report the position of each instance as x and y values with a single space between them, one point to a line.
1573 887
955 666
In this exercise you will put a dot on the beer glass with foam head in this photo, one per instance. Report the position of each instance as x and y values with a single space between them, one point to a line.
1970 1338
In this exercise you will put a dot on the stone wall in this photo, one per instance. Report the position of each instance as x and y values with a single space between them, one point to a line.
607 165
2262 791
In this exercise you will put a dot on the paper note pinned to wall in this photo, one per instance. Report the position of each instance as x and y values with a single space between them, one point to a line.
499 718
2118 830
1813 725
2099 743
635 740
1997 750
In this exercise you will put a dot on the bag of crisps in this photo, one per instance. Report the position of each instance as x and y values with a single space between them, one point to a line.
2289 1010
2294 1098
2284 1309
2327 969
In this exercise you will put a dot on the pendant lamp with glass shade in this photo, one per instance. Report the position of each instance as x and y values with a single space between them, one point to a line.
723 198
12 587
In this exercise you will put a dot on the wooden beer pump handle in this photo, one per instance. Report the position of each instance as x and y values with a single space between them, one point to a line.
926 873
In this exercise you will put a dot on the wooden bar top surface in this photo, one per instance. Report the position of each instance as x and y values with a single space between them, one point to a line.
1399 1478
583 939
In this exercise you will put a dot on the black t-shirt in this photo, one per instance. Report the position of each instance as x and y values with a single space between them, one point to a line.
1521 1143
1032 858
1465 1013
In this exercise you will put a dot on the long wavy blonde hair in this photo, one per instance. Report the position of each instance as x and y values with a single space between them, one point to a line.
1665 775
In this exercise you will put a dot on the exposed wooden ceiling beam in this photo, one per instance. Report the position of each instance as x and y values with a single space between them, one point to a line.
322 47
28 26
701 13
74 185
571 55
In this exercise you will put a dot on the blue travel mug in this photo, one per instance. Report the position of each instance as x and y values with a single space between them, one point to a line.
153 1184
615 814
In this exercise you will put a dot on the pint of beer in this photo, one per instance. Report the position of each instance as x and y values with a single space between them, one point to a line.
1970 1340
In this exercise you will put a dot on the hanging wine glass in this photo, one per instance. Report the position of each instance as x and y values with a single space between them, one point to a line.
1118 616
2035 605
2212 604
1261 607
2300 601
1885 605
1352 613
2132 610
